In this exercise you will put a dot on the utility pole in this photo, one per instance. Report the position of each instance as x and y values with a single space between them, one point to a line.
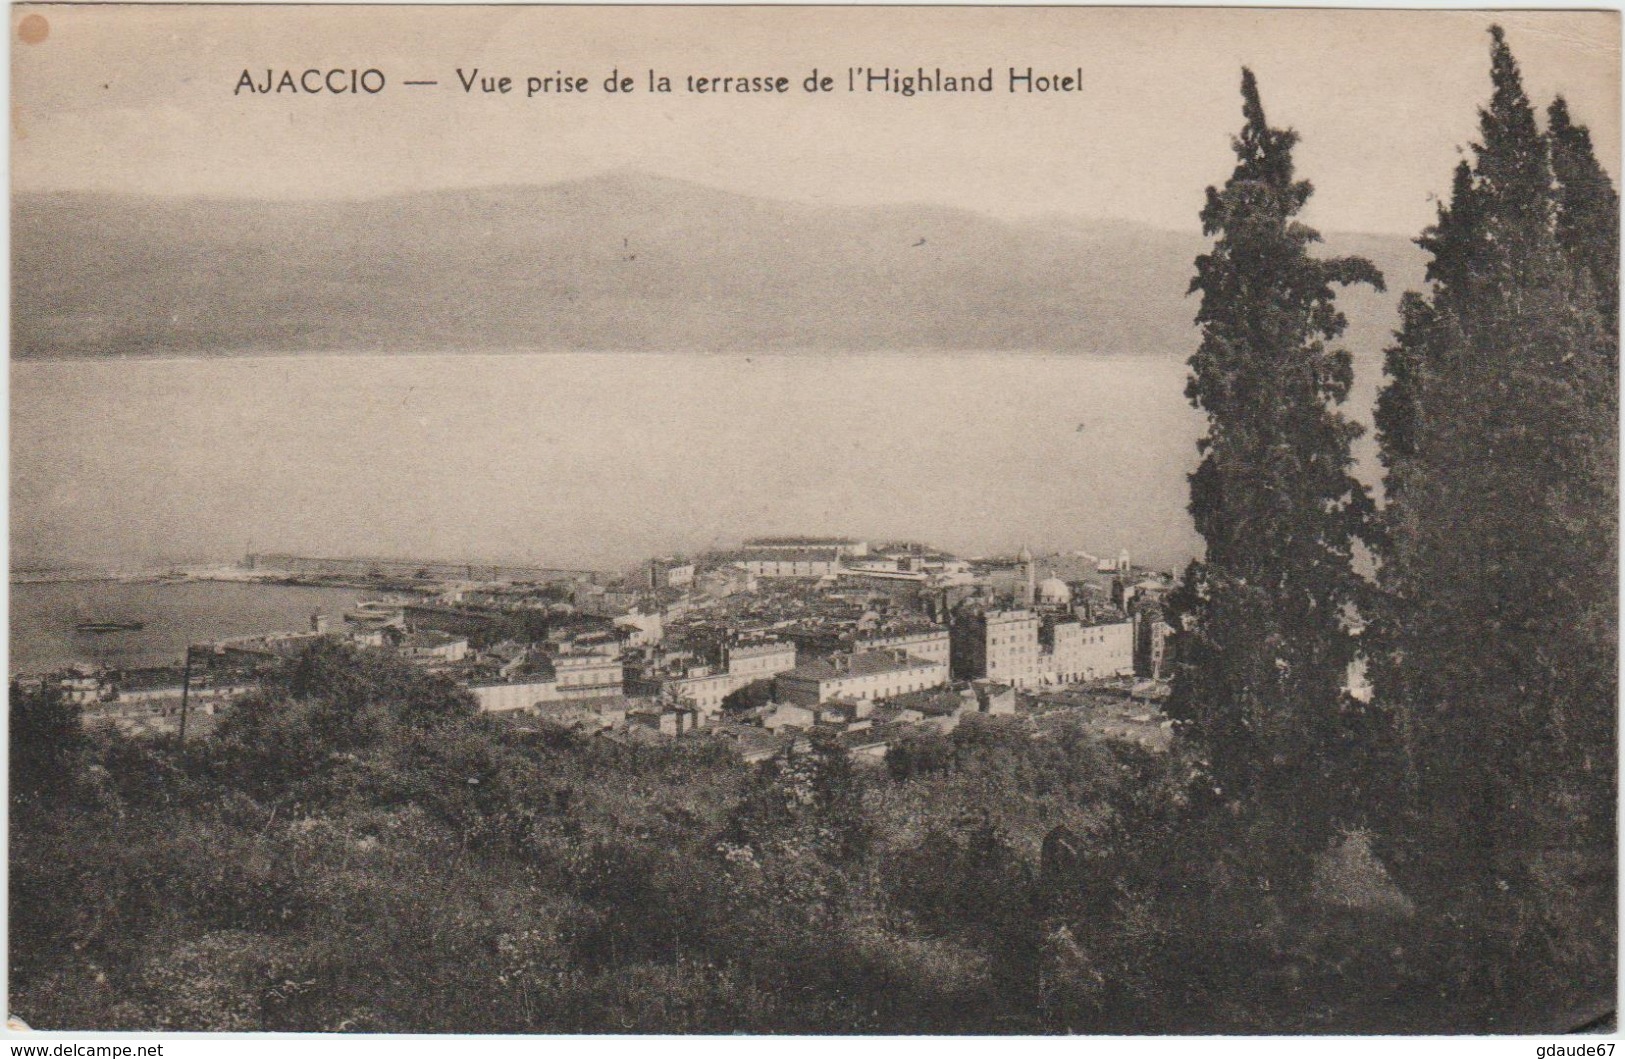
186 688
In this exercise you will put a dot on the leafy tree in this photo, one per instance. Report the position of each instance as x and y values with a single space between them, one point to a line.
44 733
1265 646
328 701
809 798
919 753
349 684
975 882
1497 616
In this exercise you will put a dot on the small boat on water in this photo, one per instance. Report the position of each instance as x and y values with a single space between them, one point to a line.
374 610
110 626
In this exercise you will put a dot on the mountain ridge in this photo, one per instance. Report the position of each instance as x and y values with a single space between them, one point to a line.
619 261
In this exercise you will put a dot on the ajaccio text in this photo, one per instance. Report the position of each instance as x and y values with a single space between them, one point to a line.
332 82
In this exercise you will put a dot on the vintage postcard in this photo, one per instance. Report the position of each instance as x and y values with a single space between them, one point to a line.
813 520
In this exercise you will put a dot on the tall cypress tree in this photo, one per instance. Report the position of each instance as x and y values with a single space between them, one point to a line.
1423 334
1587 210
1588 233
1266 644
1497 568
1587 229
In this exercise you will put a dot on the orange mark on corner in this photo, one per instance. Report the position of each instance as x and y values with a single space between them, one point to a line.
33 29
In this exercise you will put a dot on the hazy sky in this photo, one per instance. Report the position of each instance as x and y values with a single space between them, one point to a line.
141 99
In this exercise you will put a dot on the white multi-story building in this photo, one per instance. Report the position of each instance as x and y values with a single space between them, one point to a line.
433 646
588 676
702 690
869 675
840 545
790 562
928 642
670 572
507 696
1073 651
758 661
999 645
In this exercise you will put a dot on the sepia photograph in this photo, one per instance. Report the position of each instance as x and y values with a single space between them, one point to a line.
813 521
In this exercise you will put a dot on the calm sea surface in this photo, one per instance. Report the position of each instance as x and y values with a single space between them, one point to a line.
571 459
590 459
43 616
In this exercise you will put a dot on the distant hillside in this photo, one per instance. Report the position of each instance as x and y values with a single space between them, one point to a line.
617 262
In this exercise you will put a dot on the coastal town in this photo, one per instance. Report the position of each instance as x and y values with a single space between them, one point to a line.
758 647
